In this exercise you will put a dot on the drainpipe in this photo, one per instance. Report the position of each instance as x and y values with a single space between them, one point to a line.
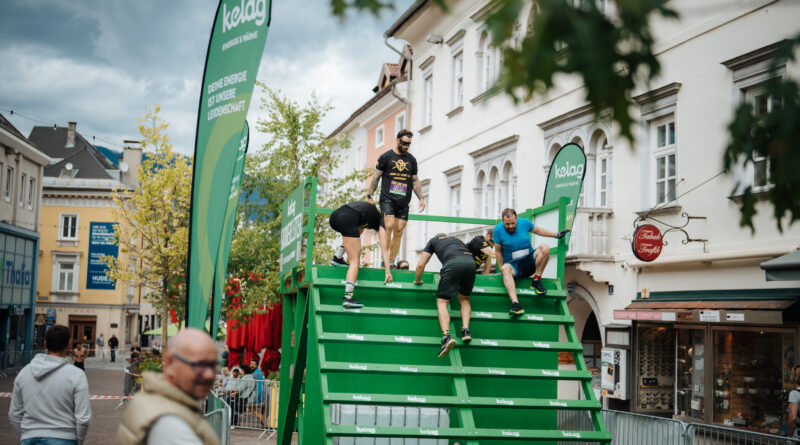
408 82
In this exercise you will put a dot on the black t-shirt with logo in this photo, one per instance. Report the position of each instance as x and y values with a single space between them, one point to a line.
368 215
475 247
397 179
446 248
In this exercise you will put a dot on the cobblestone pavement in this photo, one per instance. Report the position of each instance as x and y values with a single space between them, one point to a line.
105 378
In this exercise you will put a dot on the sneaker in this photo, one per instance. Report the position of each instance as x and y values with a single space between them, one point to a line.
516 309
447 344
537 286
351 303
339 262
466 337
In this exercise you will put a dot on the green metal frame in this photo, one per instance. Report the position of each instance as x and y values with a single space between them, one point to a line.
500 387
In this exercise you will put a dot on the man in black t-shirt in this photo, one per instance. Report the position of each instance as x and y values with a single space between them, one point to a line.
397 170
456 278
482 249
350 220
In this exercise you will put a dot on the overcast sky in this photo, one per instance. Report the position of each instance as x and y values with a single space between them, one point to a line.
102 63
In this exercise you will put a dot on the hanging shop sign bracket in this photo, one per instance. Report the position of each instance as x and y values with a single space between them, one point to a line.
645 220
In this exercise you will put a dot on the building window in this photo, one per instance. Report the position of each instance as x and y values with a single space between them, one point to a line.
496 180
31 192
487 61
400 122
749 72
379 137
22 180
65 273
9 182
427 100
762 104
660 144
458 79
664 154
604 170
69 227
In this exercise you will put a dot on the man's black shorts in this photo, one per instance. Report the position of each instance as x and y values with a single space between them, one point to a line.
345 221
523 267
391 208
457 277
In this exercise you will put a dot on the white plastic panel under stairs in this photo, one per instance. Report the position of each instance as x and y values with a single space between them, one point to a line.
366 416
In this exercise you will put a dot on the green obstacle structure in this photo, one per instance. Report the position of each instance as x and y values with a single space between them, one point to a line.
368 375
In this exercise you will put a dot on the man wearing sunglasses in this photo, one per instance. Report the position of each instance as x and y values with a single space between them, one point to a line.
397 170
169 408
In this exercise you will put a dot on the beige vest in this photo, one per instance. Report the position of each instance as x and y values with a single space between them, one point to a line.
158 398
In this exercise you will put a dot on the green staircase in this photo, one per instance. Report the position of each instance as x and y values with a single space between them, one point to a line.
500 387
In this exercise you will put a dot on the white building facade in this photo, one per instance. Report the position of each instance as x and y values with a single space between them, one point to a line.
479 153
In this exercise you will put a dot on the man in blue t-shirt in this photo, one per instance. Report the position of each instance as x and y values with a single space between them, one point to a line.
516 258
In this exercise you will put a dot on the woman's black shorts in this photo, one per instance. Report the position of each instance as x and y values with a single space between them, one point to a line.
345 221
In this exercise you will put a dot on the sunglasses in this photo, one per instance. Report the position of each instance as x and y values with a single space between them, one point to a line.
199 366
404 143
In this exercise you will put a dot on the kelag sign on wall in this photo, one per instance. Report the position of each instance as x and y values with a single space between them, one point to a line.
101 243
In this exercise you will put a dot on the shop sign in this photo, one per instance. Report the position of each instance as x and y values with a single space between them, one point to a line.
647 242
709 316
51 315
638 315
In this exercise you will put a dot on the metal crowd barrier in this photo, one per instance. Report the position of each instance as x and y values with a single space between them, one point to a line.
257 413
639 429
218 415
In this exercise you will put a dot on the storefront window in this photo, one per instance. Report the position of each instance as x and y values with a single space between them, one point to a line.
656 369
691 374
750 371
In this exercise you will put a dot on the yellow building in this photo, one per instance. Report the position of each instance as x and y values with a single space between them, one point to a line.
77 230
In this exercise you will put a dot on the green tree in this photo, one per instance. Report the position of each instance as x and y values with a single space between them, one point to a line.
295 149
613 55
153 228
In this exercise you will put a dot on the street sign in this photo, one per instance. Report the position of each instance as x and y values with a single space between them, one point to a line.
292 229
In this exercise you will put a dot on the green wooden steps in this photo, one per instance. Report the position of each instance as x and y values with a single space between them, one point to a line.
502 386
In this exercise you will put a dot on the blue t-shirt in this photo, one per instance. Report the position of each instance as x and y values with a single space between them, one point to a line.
515 245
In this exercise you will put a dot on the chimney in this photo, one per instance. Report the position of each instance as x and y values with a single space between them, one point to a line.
130 161
71 134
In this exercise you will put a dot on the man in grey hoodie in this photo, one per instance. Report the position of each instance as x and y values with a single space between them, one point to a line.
50 403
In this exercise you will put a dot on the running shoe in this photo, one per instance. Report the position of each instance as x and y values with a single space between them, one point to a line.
339 262
516 309
536 285
351 303
447 344
466 337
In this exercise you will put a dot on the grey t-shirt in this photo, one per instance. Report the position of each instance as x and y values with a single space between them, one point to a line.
172 430
794 397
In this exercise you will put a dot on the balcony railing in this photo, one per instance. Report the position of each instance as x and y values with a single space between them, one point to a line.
590 239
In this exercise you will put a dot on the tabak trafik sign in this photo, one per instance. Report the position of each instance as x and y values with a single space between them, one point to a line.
647 242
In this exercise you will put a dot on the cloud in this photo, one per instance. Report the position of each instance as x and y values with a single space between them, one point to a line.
103 63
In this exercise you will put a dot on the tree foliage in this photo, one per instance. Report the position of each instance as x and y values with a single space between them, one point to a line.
613 55
153 228
295 149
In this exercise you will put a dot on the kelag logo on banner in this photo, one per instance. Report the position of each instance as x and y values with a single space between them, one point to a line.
234 54
566 179
101 243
